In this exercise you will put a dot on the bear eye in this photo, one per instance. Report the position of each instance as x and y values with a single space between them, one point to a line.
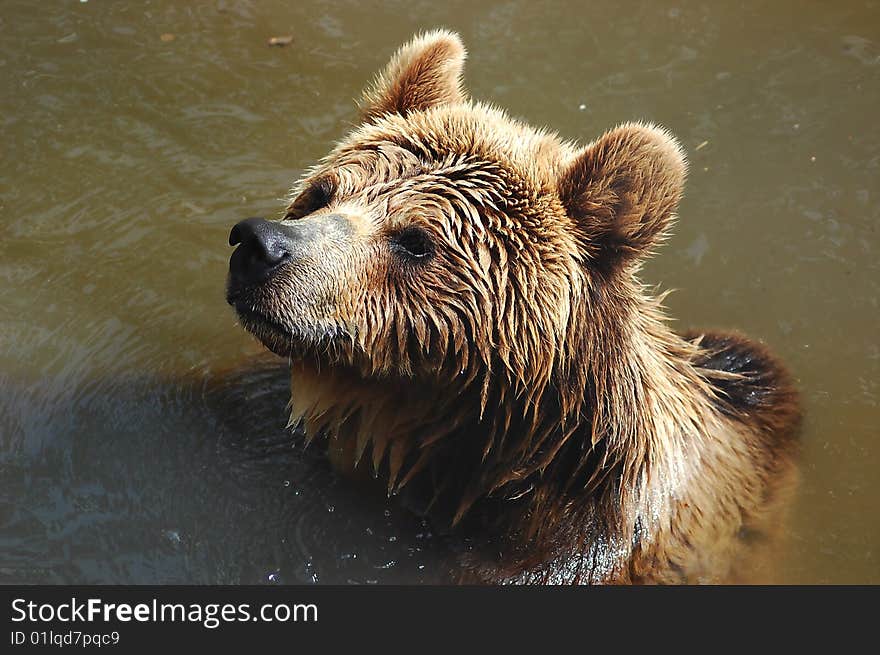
413 243
316 196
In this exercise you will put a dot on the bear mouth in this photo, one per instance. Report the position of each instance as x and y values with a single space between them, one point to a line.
271 332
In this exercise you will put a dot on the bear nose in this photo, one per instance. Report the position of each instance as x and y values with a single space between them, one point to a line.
262 247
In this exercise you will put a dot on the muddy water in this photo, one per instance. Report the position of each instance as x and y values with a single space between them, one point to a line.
139 441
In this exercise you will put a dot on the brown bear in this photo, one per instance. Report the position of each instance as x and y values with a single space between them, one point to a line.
457 293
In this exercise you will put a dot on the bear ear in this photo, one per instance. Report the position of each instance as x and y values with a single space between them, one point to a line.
622 192
424 73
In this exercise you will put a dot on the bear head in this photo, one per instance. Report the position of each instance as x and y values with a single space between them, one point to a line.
448 280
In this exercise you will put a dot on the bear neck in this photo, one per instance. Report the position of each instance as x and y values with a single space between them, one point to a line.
624 424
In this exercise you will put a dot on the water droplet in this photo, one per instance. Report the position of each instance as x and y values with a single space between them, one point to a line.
311 572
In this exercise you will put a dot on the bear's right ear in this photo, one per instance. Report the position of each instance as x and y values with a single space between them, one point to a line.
622 191
424 73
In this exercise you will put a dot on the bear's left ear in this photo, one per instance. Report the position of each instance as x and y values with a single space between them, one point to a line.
424 73
622 192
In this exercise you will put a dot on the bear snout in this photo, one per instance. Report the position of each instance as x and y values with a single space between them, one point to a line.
263 247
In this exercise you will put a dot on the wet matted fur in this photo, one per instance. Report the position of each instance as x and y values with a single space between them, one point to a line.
467 321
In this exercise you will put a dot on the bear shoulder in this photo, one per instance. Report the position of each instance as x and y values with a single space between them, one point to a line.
751 385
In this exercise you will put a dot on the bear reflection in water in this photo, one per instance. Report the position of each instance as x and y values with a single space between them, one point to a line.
458 295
